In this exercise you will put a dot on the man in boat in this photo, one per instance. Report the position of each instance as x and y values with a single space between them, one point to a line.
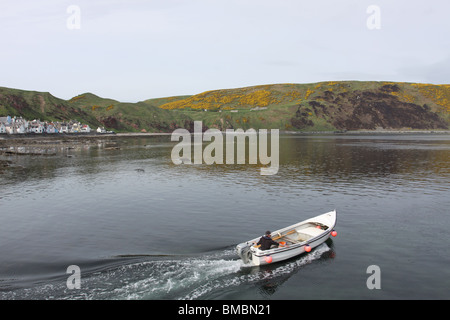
266 242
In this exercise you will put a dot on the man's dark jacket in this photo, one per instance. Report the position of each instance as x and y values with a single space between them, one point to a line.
266 242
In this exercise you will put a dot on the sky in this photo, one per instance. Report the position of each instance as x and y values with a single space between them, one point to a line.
133 50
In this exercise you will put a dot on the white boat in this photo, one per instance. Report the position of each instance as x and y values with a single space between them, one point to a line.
294 240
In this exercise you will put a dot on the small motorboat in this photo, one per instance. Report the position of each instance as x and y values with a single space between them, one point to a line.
293 240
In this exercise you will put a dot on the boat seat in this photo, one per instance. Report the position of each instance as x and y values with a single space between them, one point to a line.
308 233
292 239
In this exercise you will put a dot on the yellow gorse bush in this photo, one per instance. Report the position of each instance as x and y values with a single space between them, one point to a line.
269 95
439 94
308 93
76 98
260 98
404 97
220 99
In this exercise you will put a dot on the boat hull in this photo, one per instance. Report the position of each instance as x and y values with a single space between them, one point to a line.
299 237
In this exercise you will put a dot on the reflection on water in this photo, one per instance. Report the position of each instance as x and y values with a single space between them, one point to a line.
309 159
90 204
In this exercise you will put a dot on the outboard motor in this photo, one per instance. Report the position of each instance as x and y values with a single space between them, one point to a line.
243 250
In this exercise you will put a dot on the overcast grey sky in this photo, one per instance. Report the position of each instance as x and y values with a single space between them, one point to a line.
132 50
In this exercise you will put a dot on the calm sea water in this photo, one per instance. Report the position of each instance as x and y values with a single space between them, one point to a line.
140 227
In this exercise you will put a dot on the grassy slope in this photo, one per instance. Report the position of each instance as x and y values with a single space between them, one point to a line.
123 116
344 105
160 101
322 106
91 109
41 105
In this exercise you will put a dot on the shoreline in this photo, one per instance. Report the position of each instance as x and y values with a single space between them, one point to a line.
96 136
49 144
6 137
370 132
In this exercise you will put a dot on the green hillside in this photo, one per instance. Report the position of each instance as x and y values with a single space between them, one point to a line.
129 117
345 105
90 109
41 105
324 106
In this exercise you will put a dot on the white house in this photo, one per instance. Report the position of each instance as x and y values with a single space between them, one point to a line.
9 128
75 127
64 128
101 130
35 126
51 128
2 128
15 128
85 128
16 125
20 128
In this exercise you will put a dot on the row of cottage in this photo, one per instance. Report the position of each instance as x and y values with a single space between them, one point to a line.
18 125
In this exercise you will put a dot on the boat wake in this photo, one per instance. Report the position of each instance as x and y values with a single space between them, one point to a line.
207 276
269 277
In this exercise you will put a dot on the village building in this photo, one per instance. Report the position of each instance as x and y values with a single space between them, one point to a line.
75 127
85 128
35 126
5 120
51 128
64 128
18 125
15 125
